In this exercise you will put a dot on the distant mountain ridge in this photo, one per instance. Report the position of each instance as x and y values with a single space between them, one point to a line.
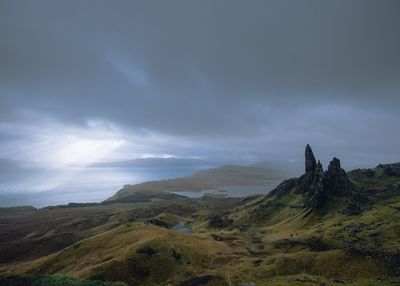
157 162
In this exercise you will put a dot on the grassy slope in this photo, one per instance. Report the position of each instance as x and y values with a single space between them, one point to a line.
51 280
27 233
279 252
135 253
377 180
267 240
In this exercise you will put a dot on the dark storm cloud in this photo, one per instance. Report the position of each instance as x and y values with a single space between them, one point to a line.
254 77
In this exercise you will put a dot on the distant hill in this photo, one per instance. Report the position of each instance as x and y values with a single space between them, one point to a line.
229 175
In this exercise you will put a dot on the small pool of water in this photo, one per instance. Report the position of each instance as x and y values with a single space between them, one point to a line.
233 191
181 227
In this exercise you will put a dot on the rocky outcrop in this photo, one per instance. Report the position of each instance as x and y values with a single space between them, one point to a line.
311 184
390 169
369 173
318 186
357 203
315 193
336 181
311 163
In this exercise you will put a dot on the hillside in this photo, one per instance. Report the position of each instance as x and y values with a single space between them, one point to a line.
324 228
229 175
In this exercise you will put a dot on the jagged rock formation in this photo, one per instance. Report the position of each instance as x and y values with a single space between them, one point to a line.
338 184
311 163
336 181
311 184
315 194
318 186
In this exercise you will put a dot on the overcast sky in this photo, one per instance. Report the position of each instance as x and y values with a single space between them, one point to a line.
218 80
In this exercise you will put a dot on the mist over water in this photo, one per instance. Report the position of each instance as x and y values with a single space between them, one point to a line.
39 187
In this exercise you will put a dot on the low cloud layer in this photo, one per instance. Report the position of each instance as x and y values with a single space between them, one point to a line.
219 80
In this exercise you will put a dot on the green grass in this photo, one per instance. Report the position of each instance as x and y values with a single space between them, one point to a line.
378 181
314 280
51 280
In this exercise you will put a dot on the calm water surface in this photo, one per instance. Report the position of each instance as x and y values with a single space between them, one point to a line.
43 187
234 191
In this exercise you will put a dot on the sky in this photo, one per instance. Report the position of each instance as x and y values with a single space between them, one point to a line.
225 81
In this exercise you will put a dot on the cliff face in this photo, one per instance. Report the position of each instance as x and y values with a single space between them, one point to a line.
318 186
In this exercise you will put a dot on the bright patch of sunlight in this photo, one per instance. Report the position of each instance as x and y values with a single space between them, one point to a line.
82 151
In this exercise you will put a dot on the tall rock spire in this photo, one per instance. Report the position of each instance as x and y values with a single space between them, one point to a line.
311 163
318 186
320 189
336 179
315 195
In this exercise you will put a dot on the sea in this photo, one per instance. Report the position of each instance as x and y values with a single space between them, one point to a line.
41 187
